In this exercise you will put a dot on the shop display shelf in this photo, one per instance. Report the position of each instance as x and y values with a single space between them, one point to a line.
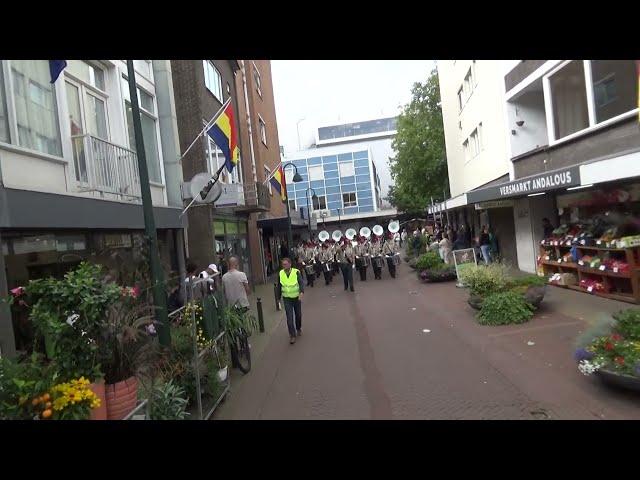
560 264
623 297
605 249
604 273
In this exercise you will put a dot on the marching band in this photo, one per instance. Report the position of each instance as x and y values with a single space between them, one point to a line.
351 251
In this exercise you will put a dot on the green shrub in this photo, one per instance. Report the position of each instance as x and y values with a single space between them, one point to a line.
168 401
526 281
504 308
628 323
429 261
484 280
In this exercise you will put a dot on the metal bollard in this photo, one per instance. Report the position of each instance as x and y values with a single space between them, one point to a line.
260 315
275 295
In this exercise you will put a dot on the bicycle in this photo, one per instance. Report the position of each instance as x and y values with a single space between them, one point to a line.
239 324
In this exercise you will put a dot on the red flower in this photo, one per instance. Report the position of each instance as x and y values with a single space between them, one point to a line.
608 346
616 337
619 360
135 292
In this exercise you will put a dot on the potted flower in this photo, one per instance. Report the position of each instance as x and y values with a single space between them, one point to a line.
614 356
125 343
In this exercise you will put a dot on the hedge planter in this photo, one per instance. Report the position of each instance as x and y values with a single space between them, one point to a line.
99 389
533 295
122 398
619 380
412 263
438 275
475 301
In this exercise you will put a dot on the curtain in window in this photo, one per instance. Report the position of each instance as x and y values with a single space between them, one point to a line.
35 101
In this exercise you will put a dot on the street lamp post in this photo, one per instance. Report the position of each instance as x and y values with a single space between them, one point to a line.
339 219
296 178
315 197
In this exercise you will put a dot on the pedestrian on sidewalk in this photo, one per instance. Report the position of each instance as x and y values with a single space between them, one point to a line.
485 245
236 285
291 289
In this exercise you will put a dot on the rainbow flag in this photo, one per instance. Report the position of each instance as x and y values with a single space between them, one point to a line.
278 182
224 133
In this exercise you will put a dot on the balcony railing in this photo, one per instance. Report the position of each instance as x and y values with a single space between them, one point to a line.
106 168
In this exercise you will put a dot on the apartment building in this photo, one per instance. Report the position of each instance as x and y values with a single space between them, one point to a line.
69 183
474 119
573 147
228 227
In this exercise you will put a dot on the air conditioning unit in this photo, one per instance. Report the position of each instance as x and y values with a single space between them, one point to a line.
324 213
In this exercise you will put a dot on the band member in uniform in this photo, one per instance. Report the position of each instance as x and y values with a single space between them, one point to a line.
346 257
317 265
325 263
308 262
389 250
362 257
376 256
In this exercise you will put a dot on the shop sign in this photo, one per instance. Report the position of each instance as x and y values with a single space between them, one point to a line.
494 204
566 177
114 240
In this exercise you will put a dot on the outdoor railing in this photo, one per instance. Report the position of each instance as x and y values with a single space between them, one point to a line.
105 167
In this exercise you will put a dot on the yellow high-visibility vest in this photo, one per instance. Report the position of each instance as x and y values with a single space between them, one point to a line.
289 284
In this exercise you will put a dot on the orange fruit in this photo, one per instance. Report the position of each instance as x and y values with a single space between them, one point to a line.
35 401
46 397
47 405
47 413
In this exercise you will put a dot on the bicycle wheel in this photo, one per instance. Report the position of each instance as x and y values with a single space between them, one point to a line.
241 352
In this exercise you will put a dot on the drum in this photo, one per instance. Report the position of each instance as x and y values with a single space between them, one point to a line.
359 262
367 260
377 261
309 270
396 259
326 267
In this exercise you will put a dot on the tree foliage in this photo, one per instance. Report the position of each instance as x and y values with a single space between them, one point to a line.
419 169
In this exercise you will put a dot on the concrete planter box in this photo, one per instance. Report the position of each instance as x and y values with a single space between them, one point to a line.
619 380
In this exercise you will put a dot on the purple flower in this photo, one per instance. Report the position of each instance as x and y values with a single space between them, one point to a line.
151 329
582 354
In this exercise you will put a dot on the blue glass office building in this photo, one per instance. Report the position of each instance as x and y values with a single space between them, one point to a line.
344 183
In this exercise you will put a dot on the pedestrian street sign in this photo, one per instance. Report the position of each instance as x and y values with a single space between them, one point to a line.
463 260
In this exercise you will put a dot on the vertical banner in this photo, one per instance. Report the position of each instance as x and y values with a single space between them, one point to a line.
463 259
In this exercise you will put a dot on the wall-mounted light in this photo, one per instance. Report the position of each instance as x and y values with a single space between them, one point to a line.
536 194
520 123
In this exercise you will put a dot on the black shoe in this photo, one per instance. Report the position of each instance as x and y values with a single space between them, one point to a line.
346 288
352 289
292 340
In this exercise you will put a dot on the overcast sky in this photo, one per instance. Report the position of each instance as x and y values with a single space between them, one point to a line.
325 91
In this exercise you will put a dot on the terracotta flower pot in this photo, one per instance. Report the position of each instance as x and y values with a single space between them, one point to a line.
99 413
122 398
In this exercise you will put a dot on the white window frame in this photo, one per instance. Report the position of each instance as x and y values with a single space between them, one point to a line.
313 208
214 85
344 205
263 130
593 126
13 144
267 173
316 168
461 100
225 177
124 79
86 89
257 78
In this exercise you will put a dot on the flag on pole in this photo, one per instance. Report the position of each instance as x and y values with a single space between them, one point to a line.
55 68
279 183
223 132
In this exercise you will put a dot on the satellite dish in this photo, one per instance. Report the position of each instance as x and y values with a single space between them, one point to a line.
323 236
365 232
350 233
378 230
394 226
336 235
200 181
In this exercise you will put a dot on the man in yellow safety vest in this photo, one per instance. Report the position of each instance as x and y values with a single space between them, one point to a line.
291 289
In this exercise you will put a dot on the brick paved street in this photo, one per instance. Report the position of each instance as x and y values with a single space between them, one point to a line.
366 356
